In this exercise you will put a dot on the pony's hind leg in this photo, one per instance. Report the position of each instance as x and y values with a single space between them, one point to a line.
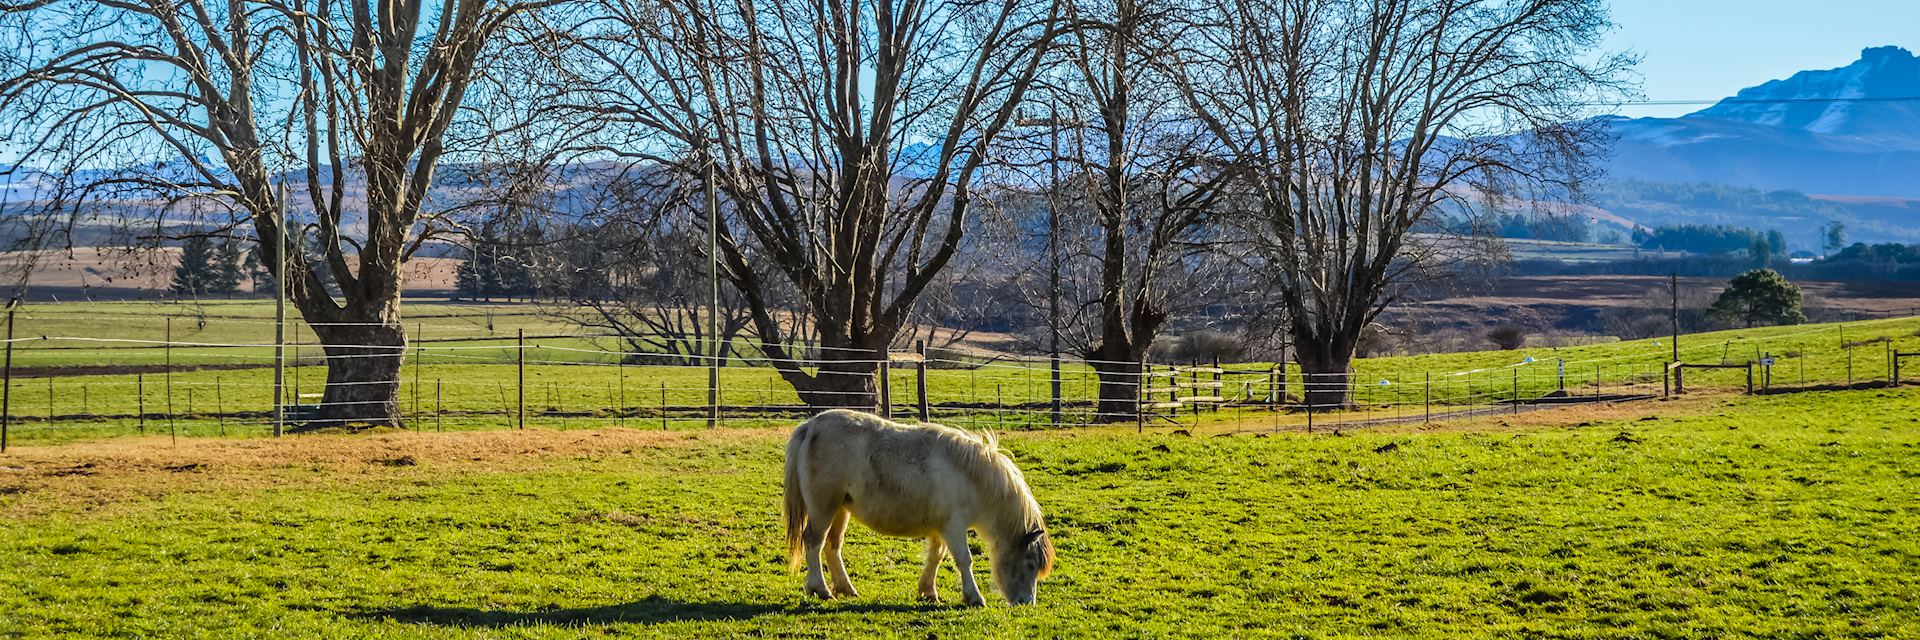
814 537
956 539
935 549
836 564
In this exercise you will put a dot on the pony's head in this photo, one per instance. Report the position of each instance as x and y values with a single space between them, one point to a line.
1020 563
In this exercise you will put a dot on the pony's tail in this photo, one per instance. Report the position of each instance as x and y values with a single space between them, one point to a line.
796 504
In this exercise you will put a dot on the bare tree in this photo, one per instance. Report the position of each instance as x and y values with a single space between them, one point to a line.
1360 119
1146 177
638 273
347 104
843 141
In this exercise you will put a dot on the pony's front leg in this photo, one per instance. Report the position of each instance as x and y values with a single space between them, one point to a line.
956 539
935 549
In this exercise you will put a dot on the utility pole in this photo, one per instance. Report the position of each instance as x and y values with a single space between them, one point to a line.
713 300
1053 253
280 317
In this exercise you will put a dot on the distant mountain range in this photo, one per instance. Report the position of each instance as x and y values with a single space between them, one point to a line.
1854 130
1846 138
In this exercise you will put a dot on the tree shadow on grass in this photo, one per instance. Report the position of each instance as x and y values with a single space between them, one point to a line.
651 610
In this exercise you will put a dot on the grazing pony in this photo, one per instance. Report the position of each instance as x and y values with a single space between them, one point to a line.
924 481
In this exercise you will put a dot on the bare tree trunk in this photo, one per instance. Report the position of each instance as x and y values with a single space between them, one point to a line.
363 372
1120 384
1326 373
844 380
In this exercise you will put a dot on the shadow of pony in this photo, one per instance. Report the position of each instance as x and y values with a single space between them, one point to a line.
650 610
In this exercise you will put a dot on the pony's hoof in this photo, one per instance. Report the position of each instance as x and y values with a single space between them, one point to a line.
975 601
846 591
820 593
930 598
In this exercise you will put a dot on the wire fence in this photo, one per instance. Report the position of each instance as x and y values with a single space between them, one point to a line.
202 376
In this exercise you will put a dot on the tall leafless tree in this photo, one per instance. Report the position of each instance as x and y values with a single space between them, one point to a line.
844 140
1360 119
347 104
1146 176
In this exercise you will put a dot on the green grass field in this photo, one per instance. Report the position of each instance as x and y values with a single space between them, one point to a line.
1712 516
462 378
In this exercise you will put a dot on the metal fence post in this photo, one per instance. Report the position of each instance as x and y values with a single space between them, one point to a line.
663 406
920 380
1139 395
439 408
167 386
1053 372
1429 404
419 354
6 393
220 406
1516 392
140 398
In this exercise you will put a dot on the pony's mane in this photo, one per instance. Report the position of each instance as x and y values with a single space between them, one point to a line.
982 458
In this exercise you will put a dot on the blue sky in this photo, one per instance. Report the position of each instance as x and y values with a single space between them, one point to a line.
1709 49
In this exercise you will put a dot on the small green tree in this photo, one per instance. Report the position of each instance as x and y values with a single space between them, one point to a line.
1835 237
1759 296
195 274
226 267
261 275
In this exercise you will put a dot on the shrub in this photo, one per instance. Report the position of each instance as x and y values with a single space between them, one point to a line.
1508 336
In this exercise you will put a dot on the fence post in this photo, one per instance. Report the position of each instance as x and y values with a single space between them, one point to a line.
1849 364
520 361
1516 392
1766 372
620 407
920 380
220 406
886 384
439 408
1749 377
1306 397
1596 383
1892 362
6 394
663 406
1563 373
1666 382
50 398
140 398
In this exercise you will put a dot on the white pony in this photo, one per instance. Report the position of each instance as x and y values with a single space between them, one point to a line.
925 481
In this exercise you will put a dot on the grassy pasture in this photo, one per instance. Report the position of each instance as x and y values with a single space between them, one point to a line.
1710 516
